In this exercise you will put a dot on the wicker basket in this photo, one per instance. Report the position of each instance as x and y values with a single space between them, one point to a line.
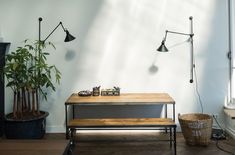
196 128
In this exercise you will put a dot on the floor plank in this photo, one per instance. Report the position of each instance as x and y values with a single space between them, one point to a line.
110 143
49 145
142 143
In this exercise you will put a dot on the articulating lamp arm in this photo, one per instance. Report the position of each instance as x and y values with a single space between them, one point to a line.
40 20
174 32
54 31
167 31
163 48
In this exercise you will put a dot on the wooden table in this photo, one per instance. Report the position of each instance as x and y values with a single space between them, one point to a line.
121 123
123 99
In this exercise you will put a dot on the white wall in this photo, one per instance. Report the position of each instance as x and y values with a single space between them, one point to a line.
116 46
232 44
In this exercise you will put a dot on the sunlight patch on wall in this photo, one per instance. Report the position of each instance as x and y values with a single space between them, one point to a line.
119 38
121 46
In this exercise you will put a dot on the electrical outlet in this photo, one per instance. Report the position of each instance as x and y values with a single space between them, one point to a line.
218 134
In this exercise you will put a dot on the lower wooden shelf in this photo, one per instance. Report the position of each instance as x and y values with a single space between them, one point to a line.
112 122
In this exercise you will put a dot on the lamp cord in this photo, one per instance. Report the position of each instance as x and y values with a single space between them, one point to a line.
217 145
196 88
218 123
217 140
200 101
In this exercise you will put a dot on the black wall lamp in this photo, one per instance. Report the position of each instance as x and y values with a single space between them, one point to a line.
68 37
163 48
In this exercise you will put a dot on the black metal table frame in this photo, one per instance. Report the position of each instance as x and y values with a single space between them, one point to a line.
71 130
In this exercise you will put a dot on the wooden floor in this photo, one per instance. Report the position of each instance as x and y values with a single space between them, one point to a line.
110 143
51 144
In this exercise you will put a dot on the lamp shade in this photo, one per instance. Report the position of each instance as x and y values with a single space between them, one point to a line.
162 47
68 37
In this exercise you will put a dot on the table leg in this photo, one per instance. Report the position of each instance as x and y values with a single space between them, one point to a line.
165 115
175 140
66 122
73 111
170 137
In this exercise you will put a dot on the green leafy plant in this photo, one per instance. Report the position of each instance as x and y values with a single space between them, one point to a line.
28 74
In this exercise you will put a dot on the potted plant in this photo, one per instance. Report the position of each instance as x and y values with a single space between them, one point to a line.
29 76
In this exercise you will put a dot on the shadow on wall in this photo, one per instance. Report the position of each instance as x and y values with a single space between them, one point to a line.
74 54
213 76
153 68
82 59
89 11
70 55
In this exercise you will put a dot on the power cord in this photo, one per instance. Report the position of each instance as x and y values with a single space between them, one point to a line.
217 145
222 136
196 87
218 134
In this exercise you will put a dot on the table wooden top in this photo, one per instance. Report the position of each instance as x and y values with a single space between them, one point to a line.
123 99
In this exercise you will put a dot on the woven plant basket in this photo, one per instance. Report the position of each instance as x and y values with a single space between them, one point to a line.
196 128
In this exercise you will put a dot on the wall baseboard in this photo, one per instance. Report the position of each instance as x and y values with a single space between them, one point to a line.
55 129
